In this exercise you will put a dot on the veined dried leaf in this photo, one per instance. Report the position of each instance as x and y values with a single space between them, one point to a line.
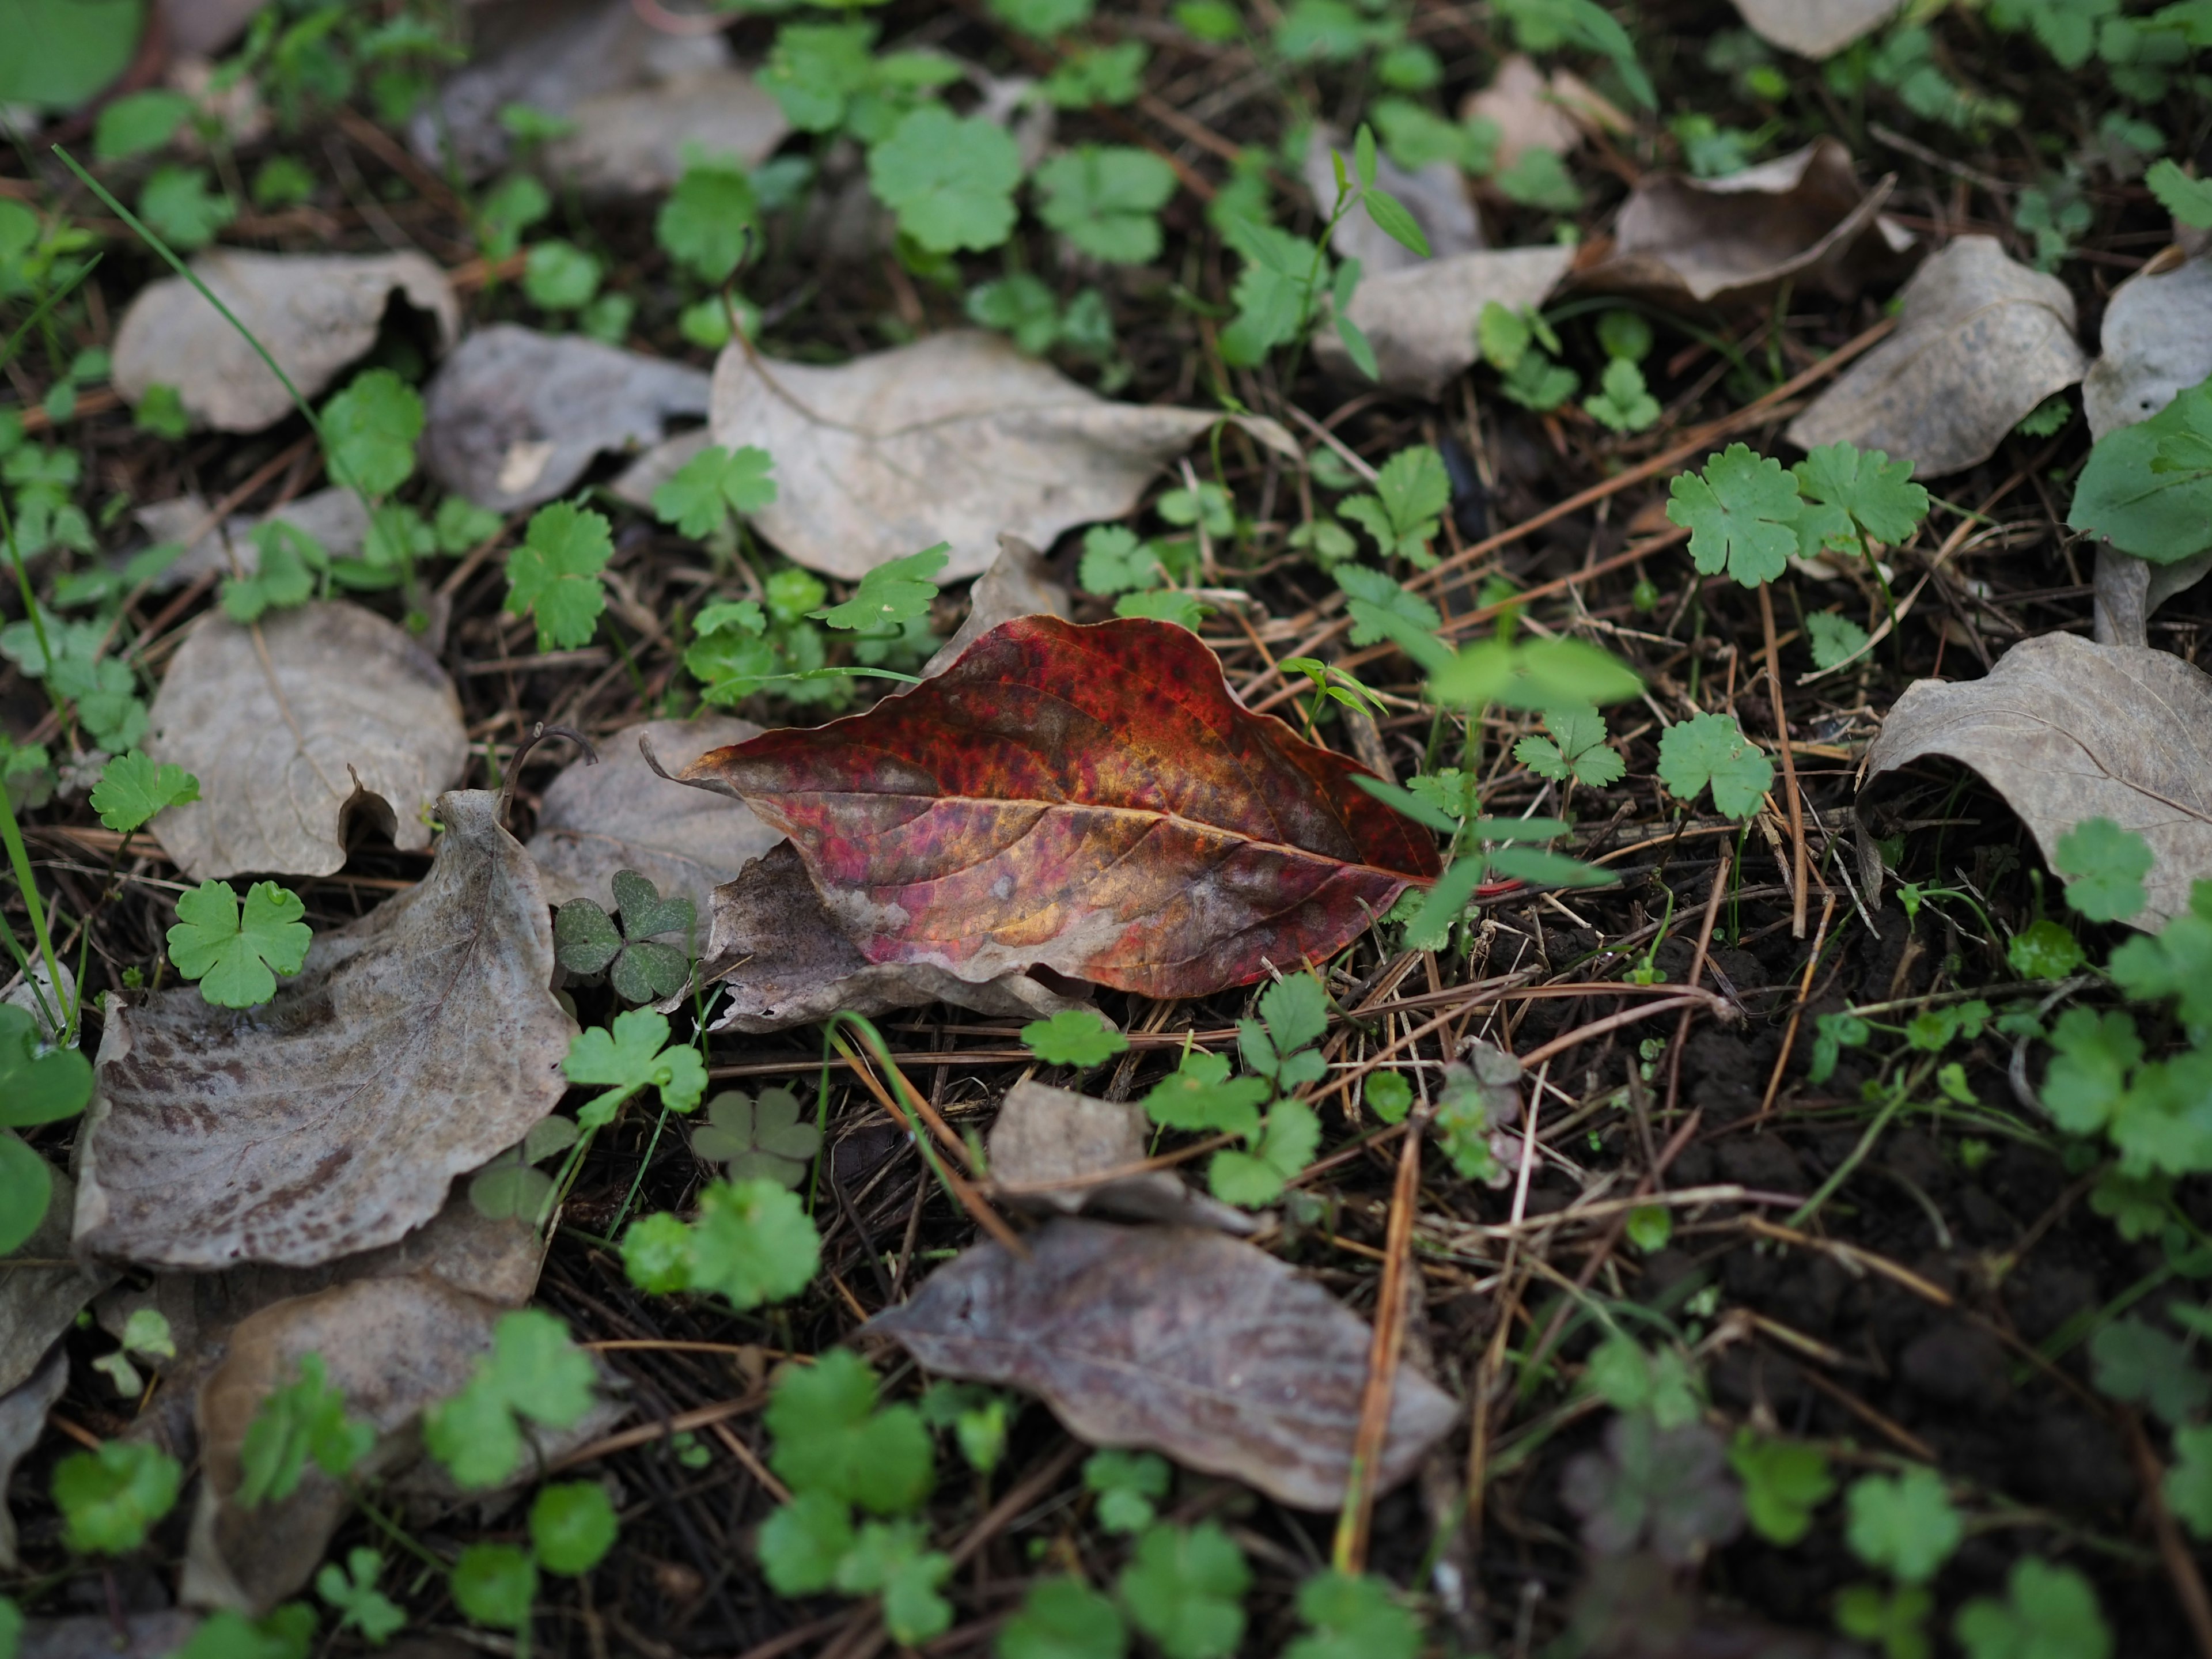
1980 341
22 1420
782 960
1048 1135
954 439
347 711
1802 217
1421 321
1090 799
514 417
1529 109
92 1636
1177 1339
315 312
2064 731
2156 339
622 815
1815 28
413 1045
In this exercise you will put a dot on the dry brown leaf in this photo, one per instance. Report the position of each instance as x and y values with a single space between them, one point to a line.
1524 107
620 814
954 439
2065 730
1421 321
2156 339
22 1420
637 94
37 1304
315 312
1177 1339
1019 583
346 711
1802 218
146 1635
1980 341
1055 1138
1436 196
413 1045
335 518
782 960
1815 28
514 417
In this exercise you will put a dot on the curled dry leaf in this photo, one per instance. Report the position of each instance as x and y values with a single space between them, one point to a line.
1801 217
1421 322
1059 1142
22 1420
315 312
412 1046
2065 730
1436 196
1534 111
1090 799
2156 339
1177 1339
954 439
37 1304
622 815
1980 341
637 96
782 960
346 710
1815 28
1019 583
514 417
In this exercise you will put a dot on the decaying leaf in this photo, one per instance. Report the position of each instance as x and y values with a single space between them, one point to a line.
1019 583
37 1304
637 97
347 711
1980 341
335 518
514 417
414 1044
1090 799
2065 730
1803 218
621 815
1177 1339
782 960
1053 1139
1436 196
1421 321
1815 28
2156 339
92 1636
1535 111
315 312
22 1420
954 439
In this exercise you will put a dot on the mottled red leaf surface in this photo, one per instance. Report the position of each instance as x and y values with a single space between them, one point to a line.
1091 799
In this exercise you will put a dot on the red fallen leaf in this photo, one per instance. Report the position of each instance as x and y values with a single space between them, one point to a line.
1091 799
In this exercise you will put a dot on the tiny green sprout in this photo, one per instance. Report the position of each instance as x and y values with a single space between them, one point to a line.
1905 1525
1379 606
371 428
1742 513
350 1590
768 1139
1202 1097
895 591
891 1559
236 955
1622 402
110 1498
1405 512
1106 199
950 181
1835 640
572 1527
1576 748
1897 1620
2138 1363
1853 498
586 941
1388 1095
494 1585
288 1632
1063 1618
1185 1588
512 1185
2188 1484
1330 683
1073 1037
1115 561
558 276
2048 1613
535 1373
633 1054
753 1242
2045 950
1165 604
305 1419
132 789
706 224
1288 1137
1711 748
833 1438
2188 200
1630 1378
978 1417
554 574
1783 1482
712 484
1353 1617
1129 1486
1649 1227
2106 865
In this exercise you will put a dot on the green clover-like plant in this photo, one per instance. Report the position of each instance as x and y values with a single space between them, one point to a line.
586 941
132 788
535 1373
1711 749
511 1185
1073 1037
304 1419
236 953
109 1498
1742 513
634 1053
350 1591
712 484
753 1242
893 593
554 574
1576 748
762 1140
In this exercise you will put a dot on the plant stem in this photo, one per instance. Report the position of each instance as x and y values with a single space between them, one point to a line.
1799 875
19 862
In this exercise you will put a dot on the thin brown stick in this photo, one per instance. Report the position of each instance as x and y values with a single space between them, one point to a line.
1797 1011
1798 864
2180 1565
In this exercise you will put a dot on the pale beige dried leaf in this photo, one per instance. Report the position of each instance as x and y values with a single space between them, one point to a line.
92 1636
514 417
335 518
782 960
1436 196
955 438
632 142
1177 1339
620 814
1019 583
2156 341
355 715
315 312
1522 104
1980 341
37 1304
1055 1138
413 1045
2065 730
1803 218
1421 322
1815 28
22 1420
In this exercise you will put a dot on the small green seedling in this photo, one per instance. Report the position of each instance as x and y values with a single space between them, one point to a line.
767 1139
234 954
1711 749
752 1242
585 940
110 1498
633 1054
1185 1588
535 1373
1129 1486
1073 1037
554 576
712 485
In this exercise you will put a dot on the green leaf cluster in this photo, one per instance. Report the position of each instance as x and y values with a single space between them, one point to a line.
303 1419
632 1053
752 1242
586 942
554 574
715 482
1711 749
1783 1482
1106 200
1073 1037
768 1139
1574 750
535 1373
109 1498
